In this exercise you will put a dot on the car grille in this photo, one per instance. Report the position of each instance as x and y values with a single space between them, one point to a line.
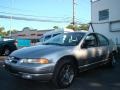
13 59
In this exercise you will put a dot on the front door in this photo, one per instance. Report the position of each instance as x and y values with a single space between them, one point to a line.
90 48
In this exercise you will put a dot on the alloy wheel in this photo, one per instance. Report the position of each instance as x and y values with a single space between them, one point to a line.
67 74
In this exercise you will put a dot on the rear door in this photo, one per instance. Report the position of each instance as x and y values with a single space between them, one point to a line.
103 46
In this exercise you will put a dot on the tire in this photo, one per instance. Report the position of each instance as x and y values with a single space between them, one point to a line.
112 60
7 51
0 53
64 75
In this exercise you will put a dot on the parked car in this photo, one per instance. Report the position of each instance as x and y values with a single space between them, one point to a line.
7 46
60 58
50 34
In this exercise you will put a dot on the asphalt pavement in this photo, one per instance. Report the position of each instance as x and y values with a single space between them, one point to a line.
101 78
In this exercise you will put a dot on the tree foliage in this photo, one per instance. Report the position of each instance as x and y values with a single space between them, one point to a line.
2 31
84 26
78 27
55 27
74 27
6 33
11 31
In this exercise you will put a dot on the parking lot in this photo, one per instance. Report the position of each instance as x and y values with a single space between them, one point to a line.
101 78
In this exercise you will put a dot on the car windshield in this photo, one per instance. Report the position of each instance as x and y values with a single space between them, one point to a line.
66 39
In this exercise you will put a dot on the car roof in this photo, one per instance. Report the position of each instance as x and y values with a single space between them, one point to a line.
56 31
79 32
86 32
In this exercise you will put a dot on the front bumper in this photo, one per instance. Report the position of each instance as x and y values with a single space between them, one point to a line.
29 73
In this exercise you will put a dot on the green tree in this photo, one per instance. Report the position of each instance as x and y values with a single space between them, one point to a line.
1 29
83 26
55 27
2 32
78 27
11 31
74 27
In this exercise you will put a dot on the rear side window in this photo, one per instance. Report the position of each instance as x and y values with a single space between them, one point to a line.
47 37
103 41
56 34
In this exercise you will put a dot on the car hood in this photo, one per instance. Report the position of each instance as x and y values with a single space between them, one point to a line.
38 51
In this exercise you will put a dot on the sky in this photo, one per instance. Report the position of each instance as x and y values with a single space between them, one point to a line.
50 10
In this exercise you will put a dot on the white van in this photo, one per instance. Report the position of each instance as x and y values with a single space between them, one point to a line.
51 34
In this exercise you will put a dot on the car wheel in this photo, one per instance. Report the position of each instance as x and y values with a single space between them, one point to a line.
6 51
112 61
0 53
65 75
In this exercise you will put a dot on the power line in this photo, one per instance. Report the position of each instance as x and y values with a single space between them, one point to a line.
27 14
31 19
15 8
32 15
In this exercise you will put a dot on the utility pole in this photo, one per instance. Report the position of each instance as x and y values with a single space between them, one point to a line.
10 25
73 15
11 17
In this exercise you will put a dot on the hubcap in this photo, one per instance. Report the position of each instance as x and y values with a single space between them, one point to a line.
67 74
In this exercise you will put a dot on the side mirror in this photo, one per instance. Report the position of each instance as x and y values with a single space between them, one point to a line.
88 43
84 45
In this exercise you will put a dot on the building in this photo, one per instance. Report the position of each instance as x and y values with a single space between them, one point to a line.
28 33
33 35
105 18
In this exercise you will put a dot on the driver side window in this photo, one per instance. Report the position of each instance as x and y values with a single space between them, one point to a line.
90 41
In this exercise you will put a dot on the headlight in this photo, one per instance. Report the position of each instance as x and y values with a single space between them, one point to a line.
39 61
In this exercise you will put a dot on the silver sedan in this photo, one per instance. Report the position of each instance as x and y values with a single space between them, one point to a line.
60 58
